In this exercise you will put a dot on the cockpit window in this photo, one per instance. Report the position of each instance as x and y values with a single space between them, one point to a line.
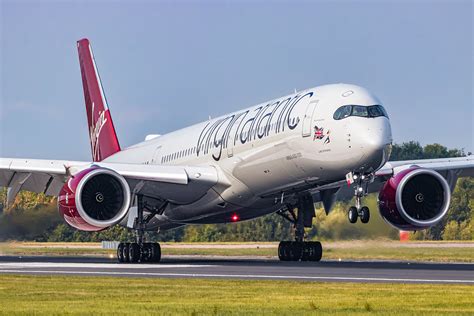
359 110
343 112
375 111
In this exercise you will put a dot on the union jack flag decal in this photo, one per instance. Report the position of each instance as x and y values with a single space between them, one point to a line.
318 133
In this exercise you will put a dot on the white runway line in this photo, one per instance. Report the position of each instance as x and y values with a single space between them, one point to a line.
241 276
23 265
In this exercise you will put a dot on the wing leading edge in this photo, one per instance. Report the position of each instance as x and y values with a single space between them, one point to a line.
48 176
450 168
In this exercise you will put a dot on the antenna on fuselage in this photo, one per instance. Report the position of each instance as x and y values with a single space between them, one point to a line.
295 90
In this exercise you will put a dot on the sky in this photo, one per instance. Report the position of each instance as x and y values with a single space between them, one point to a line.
168 64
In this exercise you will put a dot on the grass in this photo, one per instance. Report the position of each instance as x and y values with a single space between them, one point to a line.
55 295
353 250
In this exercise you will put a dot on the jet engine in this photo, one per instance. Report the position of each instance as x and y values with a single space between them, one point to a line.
414 199
94 199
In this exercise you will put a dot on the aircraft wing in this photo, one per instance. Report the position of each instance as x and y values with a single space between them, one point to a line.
180 184
450 168
463 165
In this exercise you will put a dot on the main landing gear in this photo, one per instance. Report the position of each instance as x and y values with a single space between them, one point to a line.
299 249
135 252
139 251
361 189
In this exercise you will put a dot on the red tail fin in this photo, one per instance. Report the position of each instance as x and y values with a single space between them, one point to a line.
102 134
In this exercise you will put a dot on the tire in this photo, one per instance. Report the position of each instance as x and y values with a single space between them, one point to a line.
307 251
364 215
120 252
134 252
126 252
155 252
283 251
145 252
296 250
352 215
317 251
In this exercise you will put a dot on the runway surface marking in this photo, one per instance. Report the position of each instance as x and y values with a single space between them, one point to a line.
240 276
96 265
396 272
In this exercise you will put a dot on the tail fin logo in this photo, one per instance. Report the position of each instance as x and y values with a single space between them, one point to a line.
94 131
103 138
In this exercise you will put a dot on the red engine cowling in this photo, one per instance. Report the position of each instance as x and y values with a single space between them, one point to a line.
414 199
94 199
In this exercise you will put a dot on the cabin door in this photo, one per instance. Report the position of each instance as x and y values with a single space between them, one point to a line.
308 118
156 156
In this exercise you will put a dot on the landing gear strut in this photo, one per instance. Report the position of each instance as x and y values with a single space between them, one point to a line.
361 189
140 251
299 249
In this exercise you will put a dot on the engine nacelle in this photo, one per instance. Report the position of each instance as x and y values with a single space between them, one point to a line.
414 199
94 199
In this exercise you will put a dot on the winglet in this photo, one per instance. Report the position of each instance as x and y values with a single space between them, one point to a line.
104 141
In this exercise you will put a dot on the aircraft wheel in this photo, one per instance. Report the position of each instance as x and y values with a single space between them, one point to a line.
308 250
283 249
299 250
134 252
296 250
155 252
120 256
352 214
317 251
364 214
126 252
145 252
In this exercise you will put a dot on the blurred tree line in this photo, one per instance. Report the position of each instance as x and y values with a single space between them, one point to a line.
35 217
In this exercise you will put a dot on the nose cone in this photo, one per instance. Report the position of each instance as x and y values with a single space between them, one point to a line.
374 139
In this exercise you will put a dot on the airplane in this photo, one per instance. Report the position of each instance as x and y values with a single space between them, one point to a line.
282 156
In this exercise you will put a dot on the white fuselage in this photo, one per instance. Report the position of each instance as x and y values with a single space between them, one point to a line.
268 150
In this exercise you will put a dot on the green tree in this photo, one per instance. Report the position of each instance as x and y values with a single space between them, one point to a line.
433 151
465 231
451 231
406 151
61 233
413 150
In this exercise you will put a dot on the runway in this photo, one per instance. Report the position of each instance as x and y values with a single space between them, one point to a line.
248 268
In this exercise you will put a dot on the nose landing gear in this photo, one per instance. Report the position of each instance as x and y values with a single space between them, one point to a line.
361 189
